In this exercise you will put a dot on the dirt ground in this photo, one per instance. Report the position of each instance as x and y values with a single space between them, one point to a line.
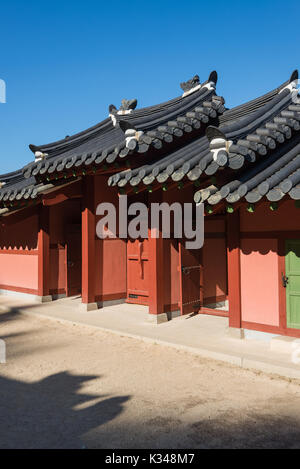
66 386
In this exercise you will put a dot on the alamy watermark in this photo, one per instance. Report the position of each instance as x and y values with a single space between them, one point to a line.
2 351
2 91
137 221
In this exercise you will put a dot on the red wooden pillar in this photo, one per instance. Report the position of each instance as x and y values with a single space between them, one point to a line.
44 254
156 271
234 269
88 243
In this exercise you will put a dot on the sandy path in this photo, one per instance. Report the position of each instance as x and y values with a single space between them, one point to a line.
73 386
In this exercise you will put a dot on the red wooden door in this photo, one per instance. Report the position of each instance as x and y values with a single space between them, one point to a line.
191 279
73 260
138 271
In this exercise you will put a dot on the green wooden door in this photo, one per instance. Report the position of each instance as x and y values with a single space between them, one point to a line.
292 268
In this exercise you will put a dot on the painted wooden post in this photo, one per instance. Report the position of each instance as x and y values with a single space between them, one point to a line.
156 280
234 269
44 254
88 243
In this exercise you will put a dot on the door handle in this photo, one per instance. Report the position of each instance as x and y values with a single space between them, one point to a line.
285 280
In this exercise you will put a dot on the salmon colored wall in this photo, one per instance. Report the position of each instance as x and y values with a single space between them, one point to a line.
259 281
19 270
19 267
286 218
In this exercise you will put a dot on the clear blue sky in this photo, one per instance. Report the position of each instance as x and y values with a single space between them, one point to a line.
64 62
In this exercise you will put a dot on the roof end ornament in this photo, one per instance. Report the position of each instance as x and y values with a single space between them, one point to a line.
293 84
212 81
190 86
39 155
194 84
132 135
127 106
218 145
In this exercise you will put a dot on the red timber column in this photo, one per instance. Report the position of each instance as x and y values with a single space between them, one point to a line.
88 244
43 255
156 271
234 274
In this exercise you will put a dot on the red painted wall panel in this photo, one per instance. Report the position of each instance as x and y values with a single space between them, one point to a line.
171 274
57 270
19 232
110 274
111 258
286 218
61 215
215 270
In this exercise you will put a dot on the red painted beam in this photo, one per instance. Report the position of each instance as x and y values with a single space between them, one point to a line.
234 269
156 264
156 281
43 252
88 241
71 191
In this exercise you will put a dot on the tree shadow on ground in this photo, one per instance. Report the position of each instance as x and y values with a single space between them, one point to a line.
225 432
52 413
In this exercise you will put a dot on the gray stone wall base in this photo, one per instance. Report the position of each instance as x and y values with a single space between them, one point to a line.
85 307
235 333
223 305
284 344
104 304
163 317
44 299
100 304
27 296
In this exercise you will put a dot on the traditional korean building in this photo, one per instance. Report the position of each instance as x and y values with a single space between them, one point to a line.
243 164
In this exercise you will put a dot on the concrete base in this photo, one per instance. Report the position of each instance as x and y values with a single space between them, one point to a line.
59 296
44 299
158 318
222 305
100 304
235 333
104 304
27 296
163 317
85 307
252 334
283 344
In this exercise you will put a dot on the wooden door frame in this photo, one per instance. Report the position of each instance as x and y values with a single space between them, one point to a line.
66 258
181 243
139 258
